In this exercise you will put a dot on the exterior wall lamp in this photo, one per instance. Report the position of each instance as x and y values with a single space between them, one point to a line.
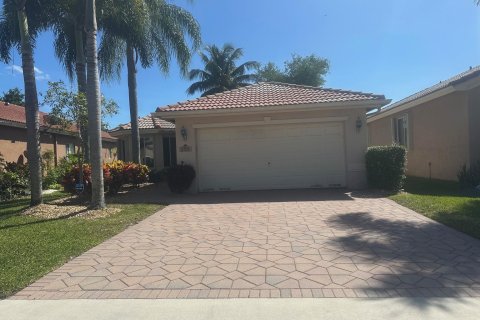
184 133
358 124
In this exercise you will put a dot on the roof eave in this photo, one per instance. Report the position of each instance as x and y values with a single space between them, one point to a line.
362 104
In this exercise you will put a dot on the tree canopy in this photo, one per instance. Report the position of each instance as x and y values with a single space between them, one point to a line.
309 70
70 108
13 96
220 72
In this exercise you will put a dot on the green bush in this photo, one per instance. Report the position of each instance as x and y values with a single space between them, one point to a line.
14 181
386 167
53 178
469 177
180 177
156 176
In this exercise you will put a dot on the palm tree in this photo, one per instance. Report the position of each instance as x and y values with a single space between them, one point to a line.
220 72
93 100
68 27
145 32
20 23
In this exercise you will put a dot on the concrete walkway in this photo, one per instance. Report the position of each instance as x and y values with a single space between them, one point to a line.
241 309
273 244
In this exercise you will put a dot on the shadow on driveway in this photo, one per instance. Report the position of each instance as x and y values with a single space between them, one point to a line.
159 194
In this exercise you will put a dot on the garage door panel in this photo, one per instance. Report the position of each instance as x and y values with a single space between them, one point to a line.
271 156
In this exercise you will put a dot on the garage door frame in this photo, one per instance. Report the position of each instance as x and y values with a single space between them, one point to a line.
269 121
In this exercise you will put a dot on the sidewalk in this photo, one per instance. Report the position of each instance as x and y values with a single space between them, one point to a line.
242 309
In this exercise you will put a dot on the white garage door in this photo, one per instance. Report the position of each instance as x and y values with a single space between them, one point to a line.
271 157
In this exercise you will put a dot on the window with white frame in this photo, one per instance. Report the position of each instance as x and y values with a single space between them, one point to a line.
400 130
70 148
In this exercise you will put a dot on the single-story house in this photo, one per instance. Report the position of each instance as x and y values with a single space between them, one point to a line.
13 136
439 126
157 142
274 136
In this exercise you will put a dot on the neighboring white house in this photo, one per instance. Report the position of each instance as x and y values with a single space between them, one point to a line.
274 136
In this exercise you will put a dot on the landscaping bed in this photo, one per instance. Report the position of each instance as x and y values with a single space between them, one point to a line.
444 202
37 241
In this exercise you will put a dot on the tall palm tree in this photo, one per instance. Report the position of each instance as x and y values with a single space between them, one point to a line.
68 26
20 23
220 71
144 32
94 114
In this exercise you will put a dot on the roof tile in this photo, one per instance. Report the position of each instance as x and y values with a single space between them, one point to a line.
269 94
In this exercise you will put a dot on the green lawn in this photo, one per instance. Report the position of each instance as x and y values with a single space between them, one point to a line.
31 247
444 202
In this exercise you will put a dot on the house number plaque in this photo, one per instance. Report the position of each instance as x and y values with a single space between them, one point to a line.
185 148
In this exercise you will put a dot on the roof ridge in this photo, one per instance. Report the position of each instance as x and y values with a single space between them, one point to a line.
433 88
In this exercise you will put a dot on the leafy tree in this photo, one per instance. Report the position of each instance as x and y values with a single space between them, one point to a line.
21 21
93 101
145 33
309 71
220 71
70 108
14 96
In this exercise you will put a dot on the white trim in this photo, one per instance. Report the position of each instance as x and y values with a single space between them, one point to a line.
411 104
267 121
282 108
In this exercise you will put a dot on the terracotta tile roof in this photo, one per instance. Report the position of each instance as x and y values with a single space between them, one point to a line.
461 77
270 94
12 113
148 122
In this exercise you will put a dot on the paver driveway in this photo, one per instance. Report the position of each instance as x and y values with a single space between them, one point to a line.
273 244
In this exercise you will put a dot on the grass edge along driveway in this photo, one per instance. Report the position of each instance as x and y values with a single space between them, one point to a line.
442 201
32 247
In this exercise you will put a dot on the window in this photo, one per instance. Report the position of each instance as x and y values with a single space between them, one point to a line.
400 130
147 151
169 151
70 148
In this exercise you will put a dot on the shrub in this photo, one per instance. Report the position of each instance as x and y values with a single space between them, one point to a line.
156 176
115 175
14 181
135 173
469 178
386 167
55 175
180 177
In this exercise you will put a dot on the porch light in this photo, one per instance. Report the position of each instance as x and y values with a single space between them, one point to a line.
184 133
358 124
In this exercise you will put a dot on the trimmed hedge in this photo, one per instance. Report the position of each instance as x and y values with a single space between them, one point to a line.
180 177
386 167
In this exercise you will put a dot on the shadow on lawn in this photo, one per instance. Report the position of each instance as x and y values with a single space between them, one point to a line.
417 257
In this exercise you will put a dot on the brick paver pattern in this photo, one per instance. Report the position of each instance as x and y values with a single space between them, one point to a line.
348 247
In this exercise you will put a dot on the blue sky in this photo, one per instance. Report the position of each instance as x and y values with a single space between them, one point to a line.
387 47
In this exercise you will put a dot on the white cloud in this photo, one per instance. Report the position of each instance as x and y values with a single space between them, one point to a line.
39 74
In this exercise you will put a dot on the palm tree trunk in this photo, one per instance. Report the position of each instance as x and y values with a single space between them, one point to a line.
81 72
132 97
93 100
31 108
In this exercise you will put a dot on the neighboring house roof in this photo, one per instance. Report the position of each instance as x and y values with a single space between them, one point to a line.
12 114
147 122
270 94
455 80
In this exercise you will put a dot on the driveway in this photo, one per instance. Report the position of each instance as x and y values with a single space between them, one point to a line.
301 243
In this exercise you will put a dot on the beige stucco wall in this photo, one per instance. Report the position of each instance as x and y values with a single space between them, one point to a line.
438 134
13 143
474 124
356 141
